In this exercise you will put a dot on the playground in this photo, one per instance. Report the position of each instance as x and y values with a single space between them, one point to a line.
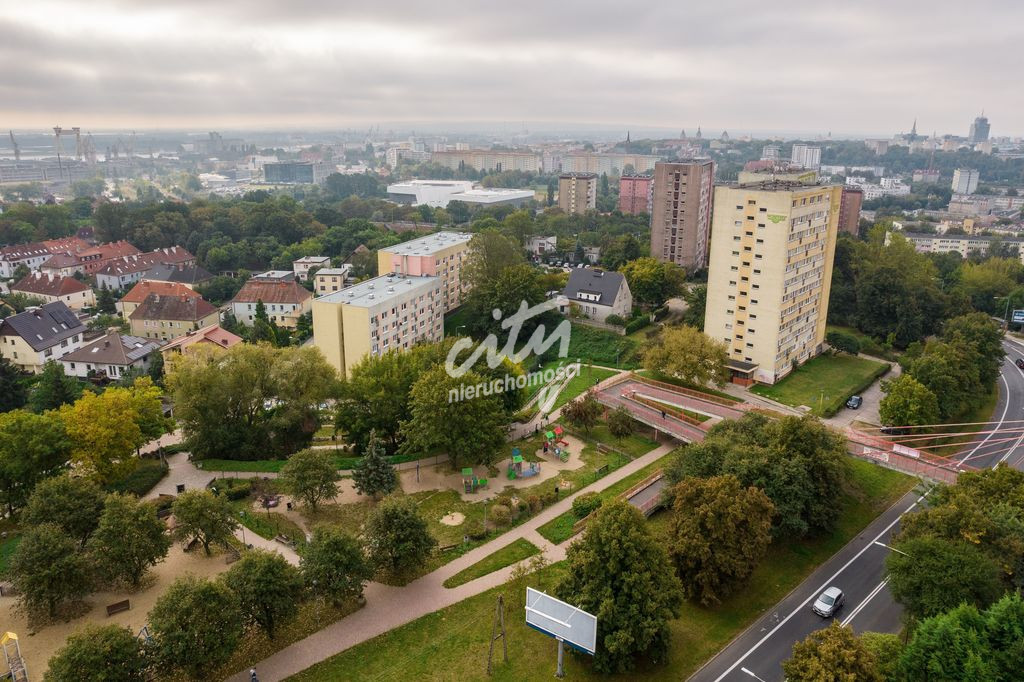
37 646
558 452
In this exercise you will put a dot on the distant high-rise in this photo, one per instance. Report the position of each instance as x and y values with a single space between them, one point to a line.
965 180
635 193
849 210
772 248
979 130
577 192
681 212
806 156
770 152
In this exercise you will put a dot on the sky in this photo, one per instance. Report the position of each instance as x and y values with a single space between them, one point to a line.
868 67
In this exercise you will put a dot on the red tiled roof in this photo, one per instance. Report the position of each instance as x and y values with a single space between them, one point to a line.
214 334
146 287
40 284
185 308
144 261
66 245
108 251
272 292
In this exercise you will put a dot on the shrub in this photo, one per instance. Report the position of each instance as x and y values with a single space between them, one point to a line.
146 474
637 324
585 504
535 504
501 515
617 320
548 497
843 342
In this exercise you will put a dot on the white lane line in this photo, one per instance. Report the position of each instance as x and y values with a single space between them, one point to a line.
815 593
1019 440
1002 418
871 595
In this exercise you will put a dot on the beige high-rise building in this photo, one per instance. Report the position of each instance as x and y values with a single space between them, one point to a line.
577 192
441 255
681 212
772 246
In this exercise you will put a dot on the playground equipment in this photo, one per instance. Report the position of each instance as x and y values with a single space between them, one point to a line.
470 481
16 671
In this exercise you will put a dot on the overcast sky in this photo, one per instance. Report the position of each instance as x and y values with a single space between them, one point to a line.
868 66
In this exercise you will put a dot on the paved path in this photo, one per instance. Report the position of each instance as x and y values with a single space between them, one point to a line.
390 607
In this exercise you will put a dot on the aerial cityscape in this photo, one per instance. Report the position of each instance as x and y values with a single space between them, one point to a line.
439 342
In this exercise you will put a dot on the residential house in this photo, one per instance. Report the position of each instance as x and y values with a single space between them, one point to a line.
189 275
598 293
29 255
330 280
285 302
114 355
302 266
121 273
32 338
96 257
73 293
538 246
134 298
214 335
167 317
62 265
441 254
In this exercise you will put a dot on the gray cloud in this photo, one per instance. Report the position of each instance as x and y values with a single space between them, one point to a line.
790 65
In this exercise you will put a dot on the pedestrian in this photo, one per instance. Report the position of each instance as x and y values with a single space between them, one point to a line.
663 414
252 675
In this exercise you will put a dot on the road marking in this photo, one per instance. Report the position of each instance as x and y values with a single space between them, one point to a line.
815 594
1002 418
864 603
1017 444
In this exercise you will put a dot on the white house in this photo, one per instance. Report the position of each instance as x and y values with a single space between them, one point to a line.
113 354
598 294
302 266
31 338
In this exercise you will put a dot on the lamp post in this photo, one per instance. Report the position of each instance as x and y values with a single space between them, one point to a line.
751 673
1006 310
898 551
244 543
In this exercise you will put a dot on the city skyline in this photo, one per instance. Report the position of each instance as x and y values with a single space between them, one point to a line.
794 67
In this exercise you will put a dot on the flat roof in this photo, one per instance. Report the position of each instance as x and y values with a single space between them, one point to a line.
487 195
380 290
432 243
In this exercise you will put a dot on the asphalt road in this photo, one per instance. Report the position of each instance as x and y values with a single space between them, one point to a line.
858 569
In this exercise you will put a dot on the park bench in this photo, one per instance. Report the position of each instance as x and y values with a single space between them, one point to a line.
118 607
285 540
446 548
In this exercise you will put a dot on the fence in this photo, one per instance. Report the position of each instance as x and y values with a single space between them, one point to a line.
706 397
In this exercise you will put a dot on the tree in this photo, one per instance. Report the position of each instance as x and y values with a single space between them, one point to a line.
129 539
21 272
470 430
48 570
620 573
105 653
334 566
689 355
249 401
831 654
950 646
1005 629
54 388
204 517
843 342
652 282
373 474
268 588
985 336
196 625
907 402
74 504
930 575
105 301
310 475
32 447
719 533
948 371
12 391
886 649
106 429
583 412
696 298
620 422
506 292
156 369
397 538
490 252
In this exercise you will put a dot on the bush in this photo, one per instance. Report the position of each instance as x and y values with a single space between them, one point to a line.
475 529
843 342
175 448
548 497
585 504
617 320
501 515
232 488
535 504
147 473
638 324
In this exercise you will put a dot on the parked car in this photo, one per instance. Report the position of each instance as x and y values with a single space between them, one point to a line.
1019 363
828 602
854 402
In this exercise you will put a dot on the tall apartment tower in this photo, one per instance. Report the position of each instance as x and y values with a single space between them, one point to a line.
965 180
979 130
681 212
849 210
772 246
806 156
577 192
635 194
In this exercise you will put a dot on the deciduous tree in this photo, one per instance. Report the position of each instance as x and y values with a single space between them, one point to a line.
32 447
48 570
620 422
202 516
831 654
73 503
397 538
620 573
311 476
652 282
268 588
196 625
105 653
334 566
907 402
719 533
54 388
689 355
583 412
129 539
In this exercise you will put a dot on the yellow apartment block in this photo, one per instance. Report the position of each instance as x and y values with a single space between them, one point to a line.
772 246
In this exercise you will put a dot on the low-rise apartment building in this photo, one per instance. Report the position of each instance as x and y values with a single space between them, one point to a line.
441 255
32 338
285 302
167 317
68 290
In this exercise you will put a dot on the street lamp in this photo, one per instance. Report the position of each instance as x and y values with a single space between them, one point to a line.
882 544
244 544
1006 312
461 326
749 672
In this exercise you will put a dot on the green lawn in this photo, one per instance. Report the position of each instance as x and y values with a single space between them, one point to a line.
506 556
268 466
451 644
267 525
578 385
658 376
868 345
7 548
824 383
601 347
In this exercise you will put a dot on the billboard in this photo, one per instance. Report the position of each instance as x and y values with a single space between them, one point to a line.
1018 317
564 622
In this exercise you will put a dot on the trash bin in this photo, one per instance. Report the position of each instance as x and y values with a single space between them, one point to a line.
180 488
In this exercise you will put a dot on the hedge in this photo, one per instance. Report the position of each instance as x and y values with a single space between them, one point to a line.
637 324
836 404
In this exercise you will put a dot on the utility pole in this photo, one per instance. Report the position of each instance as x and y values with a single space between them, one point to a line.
498 624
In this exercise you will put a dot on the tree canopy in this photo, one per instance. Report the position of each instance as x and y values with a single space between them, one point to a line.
687 354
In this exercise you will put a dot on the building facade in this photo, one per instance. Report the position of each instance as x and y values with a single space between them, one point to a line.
577 192
167 317
964 244
68 290
113 355
597 294
38 335
329 280
284 301
681 212
849 210
386 313
965 180
772 249
484 159
636 193
609 163
440 255
805 156
979 130
295 173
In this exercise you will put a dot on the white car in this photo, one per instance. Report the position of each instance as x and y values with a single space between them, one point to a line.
828 602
